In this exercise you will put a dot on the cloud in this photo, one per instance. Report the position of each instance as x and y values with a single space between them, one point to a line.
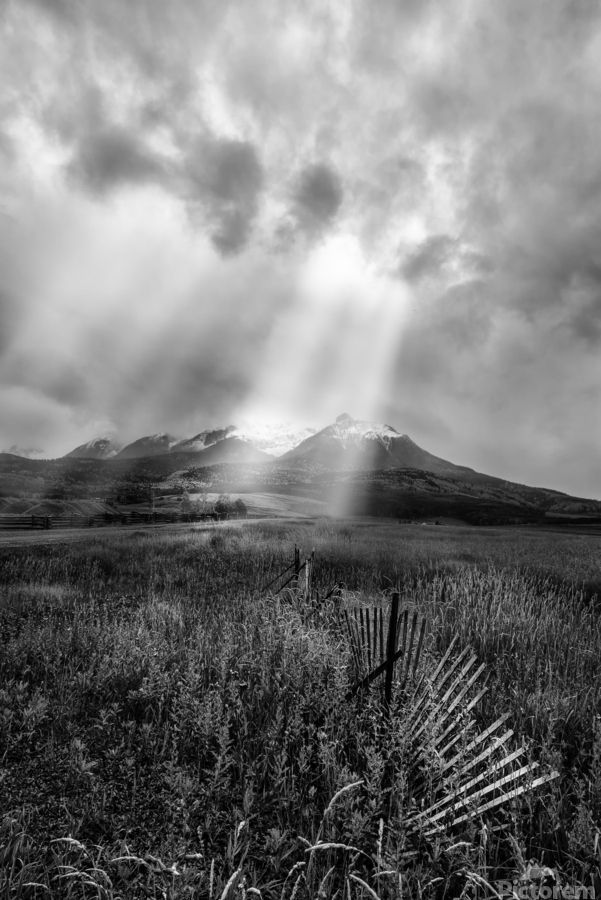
429 258
111 157
317 198
8 314
172 171
225 177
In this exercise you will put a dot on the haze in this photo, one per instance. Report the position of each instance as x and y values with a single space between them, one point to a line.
216 211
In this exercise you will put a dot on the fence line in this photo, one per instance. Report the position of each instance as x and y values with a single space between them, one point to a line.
486 771
65 520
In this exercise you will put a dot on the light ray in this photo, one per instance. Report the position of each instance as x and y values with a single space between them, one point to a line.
334 348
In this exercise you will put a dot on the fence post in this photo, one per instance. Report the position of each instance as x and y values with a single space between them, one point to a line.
391 649
296 566
308 576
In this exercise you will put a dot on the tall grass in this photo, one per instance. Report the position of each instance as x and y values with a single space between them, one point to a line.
166 726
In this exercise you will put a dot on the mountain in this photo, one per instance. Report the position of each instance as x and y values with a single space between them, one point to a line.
202 440
150 445
25 452
230 450
273 438
350 467
352 444
97 448
206 448
269 439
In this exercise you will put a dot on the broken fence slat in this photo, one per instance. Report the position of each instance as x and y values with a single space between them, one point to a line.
372 615
352 641
461 696
359 632
427 686
498 801
442 662
407 661
419 647
391 646
404 618
460 791
442 701
475 798
497 744
473 702
448 712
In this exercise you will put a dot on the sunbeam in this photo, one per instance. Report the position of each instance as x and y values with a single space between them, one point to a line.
332 349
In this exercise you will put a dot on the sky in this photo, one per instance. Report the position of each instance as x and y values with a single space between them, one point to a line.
215 211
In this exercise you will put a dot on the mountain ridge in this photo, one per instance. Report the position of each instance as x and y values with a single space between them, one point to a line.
380 470
355 444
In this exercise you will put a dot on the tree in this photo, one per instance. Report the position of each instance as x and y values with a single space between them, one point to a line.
240 508
223 506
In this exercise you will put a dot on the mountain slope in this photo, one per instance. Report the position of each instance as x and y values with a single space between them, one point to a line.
202 440
205 448
150 445
229 450
352 444
351 467
97 448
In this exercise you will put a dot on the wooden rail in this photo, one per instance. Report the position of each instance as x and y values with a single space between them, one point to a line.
476 770
96 520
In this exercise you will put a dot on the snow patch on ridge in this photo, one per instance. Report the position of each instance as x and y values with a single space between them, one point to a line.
273 438
348 429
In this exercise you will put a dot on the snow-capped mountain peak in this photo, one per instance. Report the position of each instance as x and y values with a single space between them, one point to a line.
271 437
346 428
102 447
203 439
149 445
355 444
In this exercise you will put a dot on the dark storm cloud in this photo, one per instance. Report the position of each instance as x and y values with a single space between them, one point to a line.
226 178
317 198
111 157
429 258
66 384
64 10
457 144
441 258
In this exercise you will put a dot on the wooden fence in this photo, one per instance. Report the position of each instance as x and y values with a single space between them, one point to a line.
28 522
472 769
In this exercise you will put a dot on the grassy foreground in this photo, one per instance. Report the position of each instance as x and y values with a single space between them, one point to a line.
167 729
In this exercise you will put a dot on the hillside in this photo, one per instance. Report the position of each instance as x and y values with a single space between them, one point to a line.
149 445
349 467
353 444
97 448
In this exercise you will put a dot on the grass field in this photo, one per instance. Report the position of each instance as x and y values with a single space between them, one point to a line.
170 729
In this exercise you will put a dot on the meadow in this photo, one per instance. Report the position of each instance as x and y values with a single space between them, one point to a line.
169 728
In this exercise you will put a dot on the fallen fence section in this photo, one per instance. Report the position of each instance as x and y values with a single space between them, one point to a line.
462 771
457 771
